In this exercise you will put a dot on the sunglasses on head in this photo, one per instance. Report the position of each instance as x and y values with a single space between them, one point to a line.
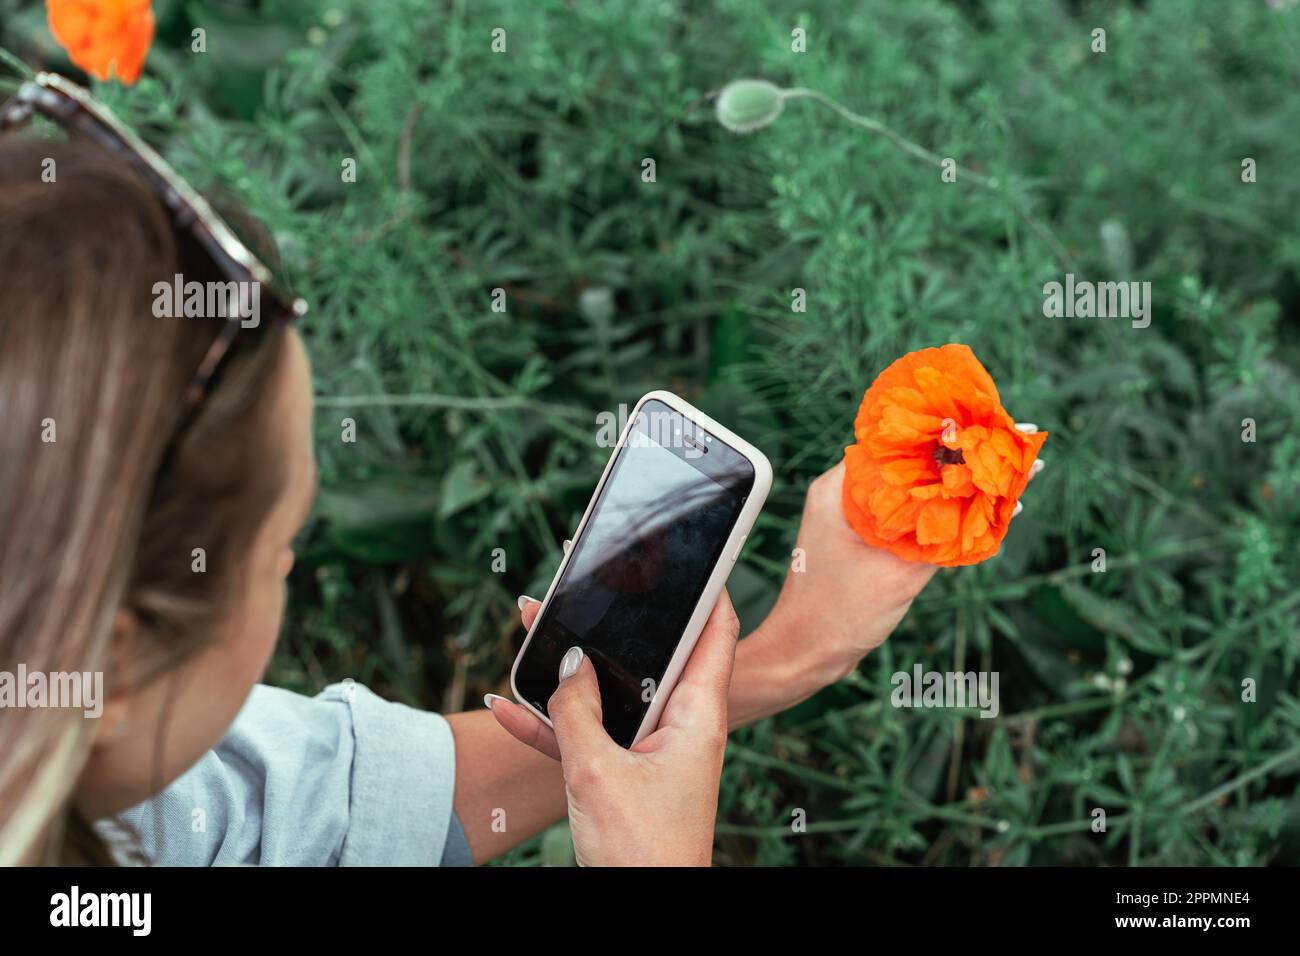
77 112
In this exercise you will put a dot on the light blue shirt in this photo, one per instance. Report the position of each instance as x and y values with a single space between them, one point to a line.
344 778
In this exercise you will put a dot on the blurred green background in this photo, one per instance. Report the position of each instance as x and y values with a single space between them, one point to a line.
522 170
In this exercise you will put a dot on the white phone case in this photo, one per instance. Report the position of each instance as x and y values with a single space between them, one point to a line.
717 578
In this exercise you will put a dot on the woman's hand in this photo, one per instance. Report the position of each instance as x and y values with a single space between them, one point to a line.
840 600
841 597
653 805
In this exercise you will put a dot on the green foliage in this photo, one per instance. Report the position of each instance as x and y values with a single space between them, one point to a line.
522 171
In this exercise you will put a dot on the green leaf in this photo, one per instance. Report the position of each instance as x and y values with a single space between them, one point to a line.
383 519
557 846
1114 617
462 487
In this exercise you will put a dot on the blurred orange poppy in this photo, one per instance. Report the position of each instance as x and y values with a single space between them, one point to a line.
104 37
939 464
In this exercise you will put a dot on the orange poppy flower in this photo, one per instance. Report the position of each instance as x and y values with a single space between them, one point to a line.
104 37
939 465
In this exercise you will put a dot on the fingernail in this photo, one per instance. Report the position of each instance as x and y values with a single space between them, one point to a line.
1036 467
523 601
488 698
1020 506
570 664
1027 428
567 545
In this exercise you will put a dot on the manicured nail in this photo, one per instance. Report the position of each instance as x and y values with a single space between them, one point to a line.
567 545
488 698
1036 467
570 664
523 601
1027 428
1020 506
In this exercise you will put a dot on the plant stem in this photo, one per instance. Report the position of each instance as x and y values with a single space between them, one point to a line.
12 60
916 151
461 402
1240 781
1062 710
1012 589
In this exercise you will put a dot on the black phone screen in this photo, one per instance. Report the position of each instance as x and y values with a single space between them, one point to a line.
638 569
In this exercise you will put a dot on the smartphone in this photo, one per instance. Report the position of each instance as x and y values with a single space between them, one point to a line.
653 551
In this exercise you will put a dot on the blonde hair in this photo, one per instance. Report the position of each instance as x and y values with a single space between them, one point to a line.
103 518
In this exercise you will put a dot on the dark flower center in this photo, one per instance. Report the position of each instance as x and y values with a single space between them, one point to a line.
943 455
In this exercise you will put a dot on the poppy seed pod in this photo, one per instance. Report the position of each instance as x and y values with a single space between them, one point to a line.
747 105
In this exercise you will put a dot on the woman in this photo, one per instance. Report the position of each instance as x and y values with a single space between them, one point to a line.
149 537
